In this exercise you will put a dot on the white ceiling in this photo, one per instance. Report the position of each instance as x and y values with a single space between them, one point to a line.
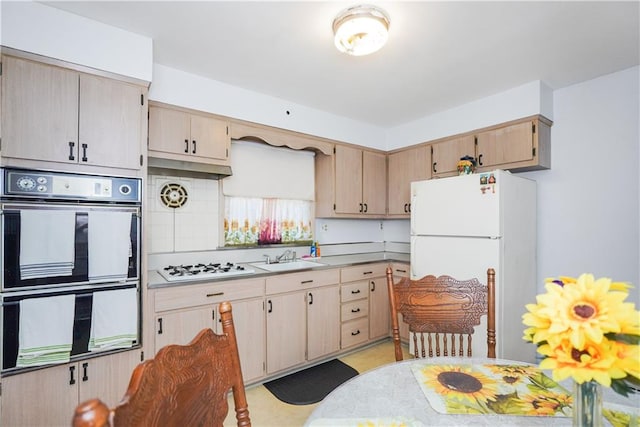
439 55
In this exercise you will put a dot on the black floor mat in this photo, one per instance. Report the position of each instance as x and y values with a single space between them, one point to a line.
311 385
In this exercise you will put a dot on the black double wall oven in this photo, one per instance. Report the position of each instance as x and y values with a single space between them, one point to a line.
66 234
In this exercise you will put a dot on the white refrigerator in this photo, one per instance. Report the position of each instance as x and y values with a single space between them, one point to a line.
463 225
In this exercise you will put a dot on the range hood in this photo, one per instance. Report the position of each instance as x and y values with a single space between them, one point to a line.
169 167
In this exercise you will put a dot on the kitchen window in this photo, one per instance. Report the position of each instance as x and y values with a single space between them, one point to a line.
269 198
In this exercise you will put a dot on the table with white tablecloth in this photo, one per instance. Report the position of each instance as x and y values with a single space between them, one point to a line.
393 395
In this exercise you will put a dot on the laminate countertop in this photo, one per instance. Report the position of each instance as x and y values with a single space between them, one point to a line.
155 280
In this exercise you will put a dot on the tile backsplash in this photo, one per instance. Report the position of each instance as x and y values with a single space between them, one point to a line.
192 223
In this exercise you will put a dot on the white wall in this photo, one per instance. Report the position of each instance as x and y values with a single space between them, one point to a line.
189 90
588 204
522 101
35 28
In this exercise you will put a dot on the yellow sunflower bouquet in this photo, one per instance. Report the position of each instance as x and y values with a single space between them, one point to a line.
587 331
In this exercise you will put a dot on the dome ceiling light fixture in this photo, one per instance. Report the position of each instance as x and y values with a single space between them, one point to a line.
361 30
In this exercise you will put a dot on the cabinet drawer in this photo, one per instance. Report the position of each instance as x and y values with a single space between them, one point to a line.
359 272
355 332
195 295
400 270
355 309
300 281
354 291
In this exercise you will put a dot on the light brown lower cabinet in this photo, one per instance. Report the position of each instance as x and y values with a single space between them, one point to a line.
183 311
401 270
47 397
303 318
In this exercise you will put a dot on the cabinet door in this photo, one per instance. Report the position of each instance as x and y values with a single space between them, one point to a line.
248 321
509 144
110 123
107 377
348 180
286 331
209 137
379 310
169 131
405 167
374 183
323 321
44 397
447 154
40 111
182 326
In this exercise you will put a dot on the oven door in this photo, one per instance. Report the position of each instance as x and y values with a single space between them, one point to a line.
24 270
82 320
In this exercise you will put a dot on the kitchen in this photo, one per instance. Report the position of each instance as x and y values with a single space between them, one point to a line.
594 143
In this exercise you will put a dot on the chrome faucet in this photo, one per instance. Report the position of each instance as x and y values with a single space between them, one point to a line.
288 255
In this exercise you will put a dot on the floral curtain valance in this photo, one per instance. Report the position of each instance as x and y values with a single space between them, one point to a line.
256 221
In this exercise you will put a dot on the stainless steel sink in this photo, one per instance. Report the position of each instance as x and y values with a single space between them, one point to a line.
287 266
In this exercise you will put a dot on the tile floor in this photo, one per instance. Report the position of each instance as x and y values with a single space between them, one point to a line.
267 411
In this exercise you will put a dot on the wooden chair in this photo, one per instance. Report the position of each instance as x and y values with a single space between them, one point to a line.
442 308
184 385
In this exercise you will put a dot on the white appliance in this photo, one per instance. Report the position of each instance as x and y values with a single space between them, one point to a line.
463 225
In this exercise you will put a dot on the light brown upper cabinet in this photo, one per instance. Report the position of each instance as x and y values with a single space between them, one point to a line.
406 166
446 155
521 146
351 183
55 114
181 134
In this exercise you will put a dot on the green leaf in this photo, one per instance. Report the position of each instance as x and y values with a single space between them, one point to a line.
541 381
506 404
625 338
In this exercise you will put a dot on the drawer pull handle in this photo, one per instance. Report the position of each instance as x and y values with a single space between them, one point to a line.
215 294
355 333
306 281
357 291
401 271
355 310
367 272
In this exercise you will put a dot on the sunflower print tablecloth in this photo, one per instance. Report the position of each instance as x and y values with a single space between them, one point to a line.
492 389
366 422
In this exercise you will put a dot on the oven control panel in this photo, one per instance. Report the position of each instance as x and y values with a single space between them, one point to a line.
62 185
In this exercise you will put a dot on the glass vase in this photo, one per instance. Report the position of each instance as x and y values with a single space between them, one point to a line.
587 404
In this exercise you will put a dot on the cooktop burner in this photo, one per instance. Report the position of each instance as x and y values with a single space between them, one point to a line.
177 273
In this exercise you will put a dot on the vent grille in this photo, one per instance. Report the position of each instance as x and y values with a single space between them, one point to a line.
174 195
